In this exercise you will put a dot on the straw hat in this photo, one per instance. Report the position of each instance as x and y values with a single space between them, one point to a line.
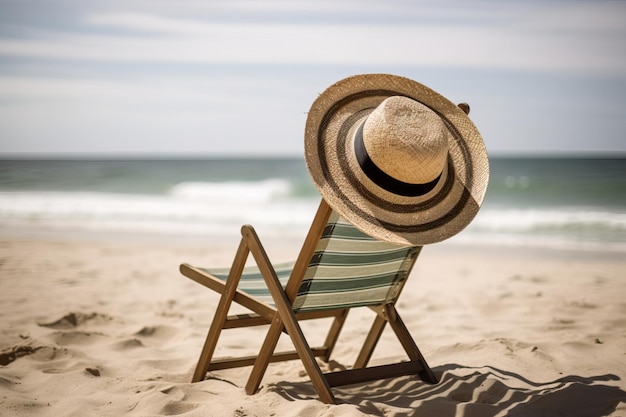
396 159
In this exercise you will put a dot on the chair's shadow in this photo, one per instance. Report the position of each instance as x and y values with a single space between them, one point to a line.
472 391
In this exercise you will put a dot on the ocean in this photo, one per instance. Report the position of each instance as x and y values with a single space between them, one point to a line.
558 203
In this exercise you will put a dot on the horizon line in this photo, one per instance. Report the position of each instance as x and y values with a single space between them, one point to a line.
156 156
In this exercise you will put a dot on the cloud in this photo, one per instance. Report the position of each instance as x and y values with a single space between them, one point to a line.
570 37
154 114
239 76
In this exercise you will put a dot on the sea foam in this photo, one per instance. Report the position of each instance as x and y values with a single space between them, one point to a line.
220 208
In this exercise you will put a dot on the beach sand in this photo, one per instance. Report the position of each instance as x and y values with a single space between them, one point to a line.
105 328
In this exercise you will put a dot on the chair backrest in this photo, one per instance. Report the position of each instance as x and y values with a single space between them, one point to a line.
350 269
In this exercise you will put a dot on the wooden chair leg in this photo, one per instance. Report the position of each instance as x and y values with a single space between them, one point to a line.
370 342
307 357
286 314
221 313
208 349
263 358
333 333
409 345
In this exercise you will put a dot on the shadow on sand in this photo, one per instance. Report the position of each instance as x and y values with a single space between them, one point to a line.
470 391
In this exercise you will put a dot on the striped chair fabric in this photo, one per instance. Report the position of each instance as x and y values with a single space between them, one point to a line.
348 269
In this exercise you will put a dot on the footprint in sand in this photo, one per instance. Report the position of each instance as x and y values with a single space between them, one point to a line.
76 337
158 331
67 325
11 354
128 344
177 408
72 320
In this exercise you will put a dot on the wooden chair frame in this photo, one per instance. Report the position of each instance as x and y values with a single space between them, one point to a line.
282 318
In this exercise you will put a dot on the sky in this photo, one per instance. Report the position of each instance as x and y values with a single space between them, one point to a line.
192 78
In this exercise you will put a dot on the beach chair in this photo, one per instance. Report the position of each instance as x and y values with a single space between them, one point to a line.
338 268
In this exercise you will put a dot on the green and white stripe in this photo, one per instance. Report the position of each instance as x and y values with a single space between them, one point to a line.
348 269
252 281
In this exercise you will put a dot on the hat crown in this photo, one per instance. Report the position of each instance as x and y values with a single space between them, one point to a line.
428 171
406 140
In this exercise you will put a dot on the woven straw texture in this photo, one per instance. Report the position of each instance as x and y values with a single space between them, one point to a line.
449 207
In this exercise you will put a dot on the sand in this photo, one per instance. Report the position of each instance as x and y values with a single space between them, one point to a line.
104 328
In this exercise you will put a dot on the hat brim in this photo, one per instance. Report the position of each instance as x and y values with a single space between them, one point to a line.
419 220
